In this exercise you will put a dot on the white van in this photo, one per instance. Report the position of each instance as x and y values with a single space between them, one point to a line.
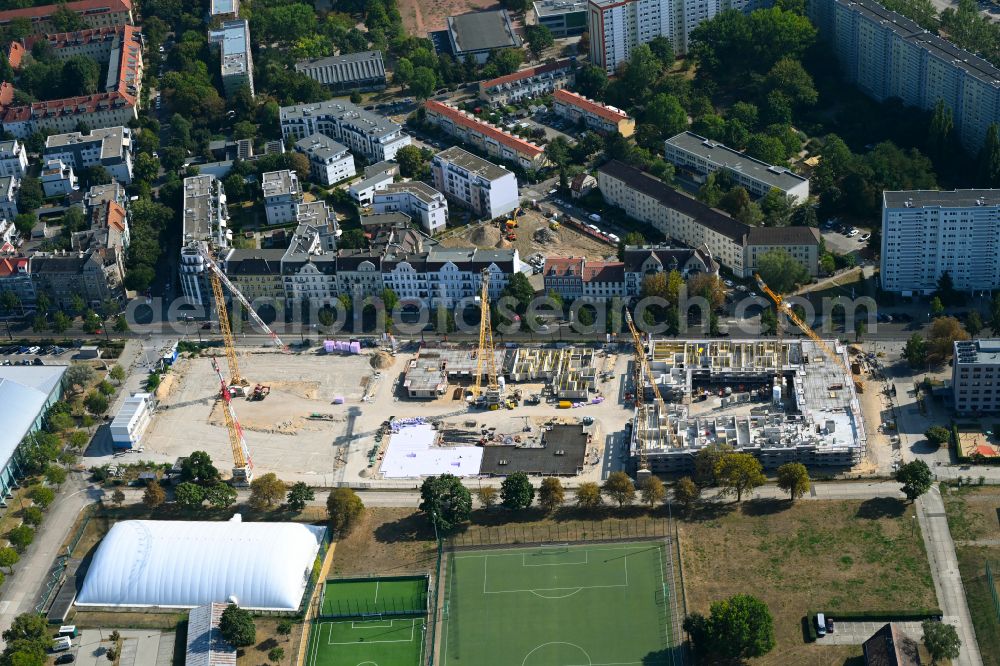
62 644
820 624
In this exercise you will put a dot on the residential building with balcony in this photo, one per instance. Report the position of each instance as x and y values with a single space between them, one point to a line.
927 233
282 195
94 13
416 199
363 132
10 186
329 161
204 229
975 376
528 83
236 61
596 116
13 158
58 178
485 188
109 147
483 136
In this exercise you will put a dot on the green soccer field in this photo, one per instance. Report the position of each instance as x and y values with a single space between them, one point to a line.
359 598
380 642
588 605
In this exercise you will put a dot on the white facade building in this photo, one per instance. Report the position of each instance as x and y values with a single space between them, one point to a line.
205 224
236 61
371 135
110 147
928 233
131 422
489 190
58 178
416 199
329 161
363 191
281 195
13 158
9 187
618 26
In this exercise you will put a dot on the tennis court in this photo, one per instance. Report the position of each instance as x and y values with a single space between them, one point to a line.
361 597
586 605
386 641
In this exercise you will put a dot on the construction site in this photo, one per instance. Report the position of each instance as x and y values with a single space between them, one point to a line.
781 400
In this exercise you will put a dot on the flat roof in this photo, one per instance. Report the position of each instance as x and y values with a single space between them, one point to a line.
279 183
971 352
777 176
557 7
472 163
321 146
480 31
225 7
671 198
423 191
199 204
562 453
234 37
369 123
942 198
113 140
937 46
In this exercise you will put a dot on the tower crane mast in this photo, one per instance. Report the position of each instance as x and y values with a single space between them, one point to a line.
242 462
485 353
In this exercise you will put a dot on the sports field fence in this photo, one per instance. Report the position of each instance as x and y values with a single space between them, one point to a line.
570 532
993 589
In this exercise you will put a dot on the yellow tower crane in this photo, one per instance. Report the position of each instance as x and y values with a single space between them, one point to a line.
485 354
804 327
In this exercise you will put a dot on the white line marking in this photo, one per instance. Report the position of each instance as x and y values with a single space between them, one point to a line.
558 589
369 624
330 641
524 563
376 594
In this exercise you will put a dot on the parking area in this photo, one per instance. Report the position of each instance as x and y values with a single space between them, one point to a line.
139 647
34 354
856 633
844 238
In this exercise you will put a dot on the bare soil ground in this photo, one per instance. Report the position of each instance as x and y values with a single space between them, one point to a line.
534 235
419 18
810 556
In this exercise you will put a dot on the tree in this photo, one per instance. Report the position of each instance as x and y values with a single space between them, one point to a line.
937 307
422 83
738 473
516 491
793 478
118 374
942 336
591 81
916 478
220 496
276 654
665 113
859 329
198 468
79 439
42 497
737 629
32 516
539 38
588 495
237 626
78 376
653 491
915 351
686 493
121 324
21 537
31 195
55 475
411 161
298 495
345 509
937 435
988 173
619 487
154 495
780 271
521 290
941 640
285 628
28 629
265 491
118 497
706 461
446 501
789 77
189 495
8 558
551 494
96 403
974 323
60 422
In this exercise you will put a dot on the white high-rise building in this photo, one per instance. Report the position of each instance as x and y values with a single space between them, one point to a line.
617 27
926 233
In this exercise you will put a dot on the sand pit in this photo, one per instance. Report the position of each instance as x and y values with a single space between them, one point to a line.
381 360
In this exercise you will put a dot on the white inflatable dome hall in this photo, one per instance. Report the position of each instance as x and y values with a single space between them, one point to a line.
182 564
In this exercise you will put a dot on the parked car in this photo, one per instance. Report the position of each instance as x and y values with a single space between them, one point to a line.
865 237
34 350
829 625
67 658
852 233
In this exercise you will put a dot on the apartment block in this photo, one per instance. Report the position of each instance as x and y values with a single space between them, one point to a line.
927 233
528 83
448 276
96 276
233 40
363 191
416 199
617 27
487 189
94 13
10 186
108 218
362 71
95 43
700 157
110 147
225 10
889 56
483 136
363 132
115 104
58 178
688 221
309 265
329 161
564 276
282 195
15 276
643 260
563 18
13 158
256 273
204 228
596 116
975 376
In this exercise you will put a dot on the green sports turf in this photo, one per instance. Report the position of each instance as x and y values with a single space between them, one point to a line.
587 605
357 598
396 641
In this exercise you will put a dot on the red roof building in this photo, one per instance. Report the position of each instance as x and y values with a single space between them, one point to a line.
484 136
95 13
596 115
531 82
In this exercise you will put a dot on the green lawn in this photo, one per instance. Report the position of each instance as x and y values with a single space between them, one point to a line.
559 606
370 596
396 641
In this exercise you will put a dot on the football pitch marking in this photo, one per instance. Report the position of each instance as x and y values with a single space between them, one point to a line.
524 560
354 625
573 589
